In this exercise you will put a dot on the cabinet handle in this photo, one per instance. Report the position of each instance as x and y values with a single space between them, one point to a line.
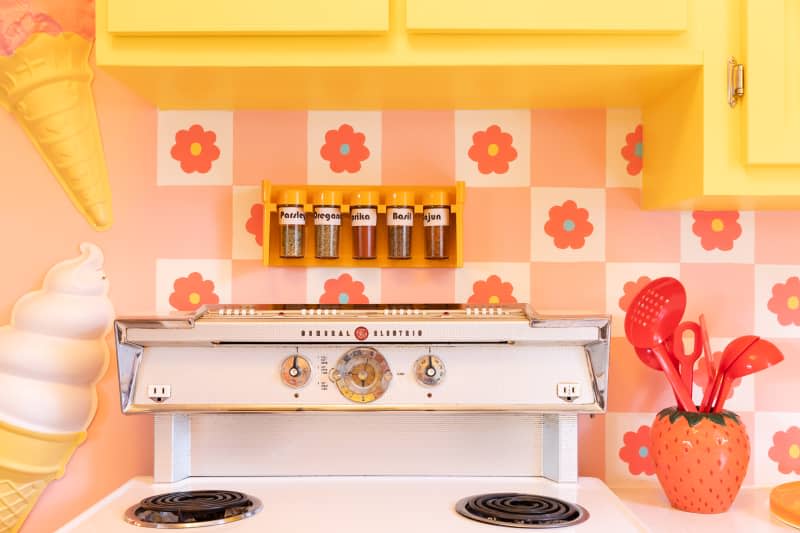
735 81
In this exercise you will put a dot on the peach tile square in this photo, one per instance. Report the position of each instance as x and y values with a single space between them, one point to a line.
255 283
774 385
620 123
487 280
618 473
418 148
776 235
247 209
346 284
767 425
367 123
724 293
693 251
515 122
568 287
772 285
636 235
269 145
417 285
497 225
618 275
634 386
591 459
546 199
170 171
169 271
568 147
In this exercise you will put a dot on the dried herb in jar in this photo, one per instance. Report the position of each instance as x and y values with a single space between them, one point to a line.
399 223
327 224
436 221
292 222
364 222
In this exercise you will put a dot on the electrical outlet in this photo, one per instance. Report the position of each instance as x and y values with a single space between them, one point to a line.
159 393
568 391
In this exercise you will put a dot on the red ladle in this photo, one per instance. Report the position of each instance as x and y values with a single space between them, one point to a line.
651 319
734 349
755 358
648 357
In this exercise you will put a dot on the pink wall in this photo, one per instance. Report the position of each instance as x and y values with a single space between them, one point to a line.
557 222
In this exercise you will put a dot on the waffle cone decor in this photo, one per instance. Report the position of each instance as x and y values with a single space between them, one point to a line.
46 85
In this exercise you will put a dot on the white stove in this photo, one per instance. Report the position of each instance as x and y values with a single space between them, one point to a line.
337 418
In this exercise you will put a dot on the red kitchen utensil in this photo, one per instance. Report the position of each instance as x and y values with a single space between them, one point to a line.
755 358
687 360
648 357
733 350
651 318
707 349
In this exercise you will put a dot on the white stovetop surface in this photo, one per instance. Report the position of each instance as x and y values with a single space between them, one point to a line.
347 504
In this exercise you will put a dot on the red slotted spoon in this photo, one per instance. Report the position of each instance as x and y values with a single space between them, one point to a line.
651 319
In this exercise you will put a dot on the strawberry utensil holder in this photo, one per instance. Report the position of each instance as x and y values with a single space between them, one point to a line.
700 458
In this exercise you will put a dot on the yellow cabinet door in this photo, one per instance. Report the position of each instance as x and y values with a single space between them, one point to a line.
232 17
772 81
564 16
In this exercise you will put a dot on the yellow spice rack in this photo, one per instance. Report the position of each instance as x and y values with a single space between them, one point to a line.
453 243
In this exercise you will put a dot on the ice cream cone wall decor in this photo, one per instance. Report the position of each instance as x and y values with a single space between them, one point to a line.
45 82
51 356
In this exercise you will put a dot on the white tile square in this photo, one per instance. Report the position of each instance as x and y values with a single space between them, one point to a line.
543 247
620 274
618 473
473 279
168 168
620 123
170 271
247 213
767 277
767 424
367 171
743 250
516 123
338 283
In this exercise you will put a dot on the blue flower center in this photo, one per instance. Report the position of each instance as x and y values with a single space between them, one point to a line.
344 148
344 298
638 149
643 452
568 225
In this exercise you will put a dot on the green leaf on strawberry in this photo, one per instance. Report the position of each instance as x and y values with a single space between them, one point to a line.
693 419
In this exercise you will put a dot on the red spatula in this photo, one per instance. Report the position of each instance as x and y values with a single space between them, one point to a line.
651 319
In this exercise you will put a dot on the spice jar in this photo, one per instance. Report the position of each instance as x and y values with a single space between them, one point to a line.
292 222
327 223
436 220
364 220
399 223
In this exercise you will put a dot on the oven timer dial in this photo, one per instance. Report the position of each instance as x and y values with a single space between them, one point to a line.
429 370
295 371
362 374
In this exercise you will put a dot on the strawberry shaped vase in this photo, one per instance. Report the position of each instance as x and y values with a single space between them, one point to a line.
700 458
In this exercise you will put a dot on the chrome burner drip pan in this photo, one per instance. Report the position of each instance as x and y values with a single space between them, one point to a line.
513 509
197 508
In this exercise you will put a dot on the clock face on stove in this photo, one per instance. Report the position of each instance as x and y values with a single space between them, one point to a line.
362 374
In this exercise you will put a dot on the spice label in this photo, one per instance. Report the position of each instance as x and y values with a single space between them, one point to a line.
400 216
290 216
363 216
436 216
327 216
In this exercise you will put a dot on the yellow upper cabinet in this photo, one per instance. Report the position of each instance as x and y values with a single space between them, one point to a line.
772 60
246 17
572 16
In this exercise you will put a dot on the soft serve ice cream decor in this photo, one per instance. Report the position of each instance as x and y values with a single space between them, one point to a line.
52 355
45 82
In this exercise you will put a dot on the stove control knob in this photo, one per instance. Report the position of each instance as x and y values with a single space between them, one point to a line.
362 374
429 370
295 371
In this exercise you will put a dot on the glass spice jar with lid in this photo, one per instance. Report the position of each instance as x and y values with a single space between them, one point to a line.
399 223
436 221
292 222
327 223
364 221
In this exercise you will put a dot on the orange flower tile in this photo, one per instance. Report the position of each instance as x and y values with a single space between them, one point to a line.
195 149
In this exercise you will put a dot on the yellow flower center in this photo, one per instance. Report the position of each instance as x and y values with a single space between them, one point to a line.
195 149
493 150
717 225
194 298
793 302
494 299
794 451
